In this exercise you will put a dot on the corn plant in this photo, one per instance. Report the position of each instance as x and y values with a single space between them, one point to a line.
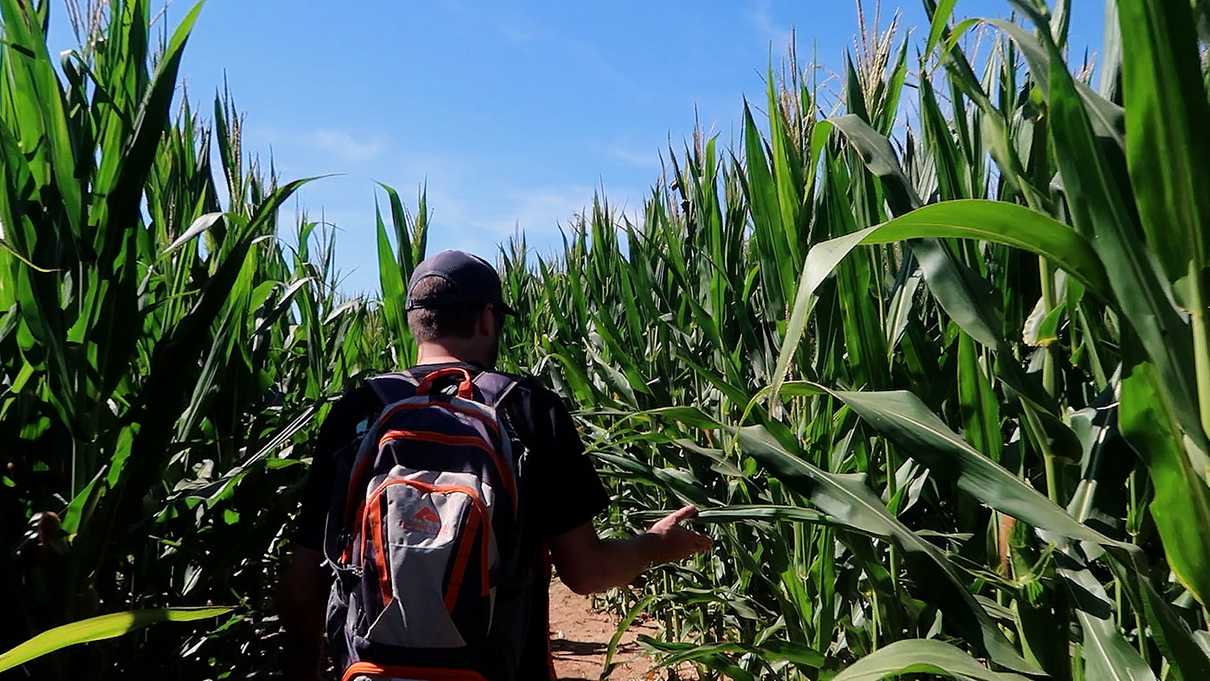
161 352
936 372
980 432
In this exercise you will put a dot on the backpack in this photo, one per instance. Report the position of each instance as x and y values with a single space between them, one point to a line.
423 535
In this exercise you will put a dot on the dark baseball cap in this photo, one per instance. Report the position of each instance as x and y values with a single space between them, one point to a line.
474 282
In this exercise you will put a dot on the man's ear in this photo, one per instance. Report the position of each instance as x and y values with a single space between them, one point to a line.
487 321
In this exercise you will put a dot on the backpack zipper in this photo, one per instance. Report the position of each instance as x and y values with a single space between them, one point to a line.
505 475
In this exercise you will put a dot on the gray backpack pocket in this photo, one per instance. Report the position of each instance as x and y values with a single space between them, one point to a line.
429 550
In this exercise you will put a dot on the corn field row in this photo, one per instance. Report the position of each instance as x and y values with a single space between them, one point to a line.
934 362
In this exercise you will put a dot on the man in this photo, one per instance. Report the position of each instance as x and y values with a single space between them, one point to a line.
456 313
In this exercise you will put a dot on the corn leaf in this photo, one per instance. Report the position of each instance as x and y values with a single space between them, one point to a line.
921 656
1098 209
1168 141
977 401
1107 654
847 499
1181 507
99 629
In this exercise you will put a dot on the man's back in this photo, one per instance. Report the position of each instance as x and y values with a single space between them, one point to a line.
456 313
557 490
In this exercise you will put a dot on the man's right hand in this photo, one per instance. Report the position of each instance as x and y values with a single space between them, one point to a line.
668 541
588 564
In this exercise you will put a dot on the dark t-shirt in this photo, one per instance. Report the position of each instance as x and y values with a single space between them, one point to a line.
561 490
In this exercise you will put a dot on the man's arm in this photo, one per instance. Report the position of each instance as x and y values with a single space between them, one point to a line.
300 602
301 597
588 564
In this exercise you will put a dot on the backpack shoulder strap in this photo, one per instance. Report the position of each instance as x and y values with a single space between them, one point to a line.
388 388
494 386
393 387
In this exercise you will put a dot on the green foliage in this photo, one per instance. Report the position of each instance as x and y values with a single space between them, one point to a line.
161 353
957 441
940 382
98 629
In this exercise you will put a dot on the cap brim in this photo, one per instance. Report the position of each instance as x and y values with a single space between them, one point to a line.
507 309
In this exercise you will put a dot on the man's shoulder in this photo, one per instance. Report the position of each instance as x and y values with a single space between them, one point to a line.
531 390
358 396
539 412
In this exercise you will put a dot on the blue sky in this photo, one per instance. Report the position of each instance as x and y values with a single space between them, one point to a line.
512 112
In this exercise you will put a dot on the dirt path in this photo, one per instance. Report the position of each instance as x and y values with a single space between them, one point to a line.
580 638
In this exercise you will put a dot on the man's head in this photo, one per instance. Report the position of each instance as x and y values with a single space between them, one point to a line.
456 308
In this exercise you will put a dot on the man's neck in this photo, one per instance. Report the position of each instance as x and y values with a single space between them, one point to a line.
438 359
429 353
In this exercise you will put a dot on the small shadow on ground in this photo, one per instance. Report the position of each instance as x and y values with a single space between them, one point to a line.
562 645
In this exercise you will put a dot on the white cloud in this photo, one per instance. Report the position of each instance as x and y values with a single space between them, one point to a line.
345 145
348 146
482 222
473 206
543 209
489 217
635 155
760 15
467 196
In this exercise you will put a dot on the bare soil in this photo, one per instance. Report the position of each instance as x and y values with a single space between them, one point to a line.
580 638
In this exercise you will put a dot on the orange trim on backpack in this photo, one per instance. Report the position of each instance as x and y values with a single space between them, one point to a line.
373 518
506 476
466 387
380 554
426 673
487 421
362 463
510 485
460 560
